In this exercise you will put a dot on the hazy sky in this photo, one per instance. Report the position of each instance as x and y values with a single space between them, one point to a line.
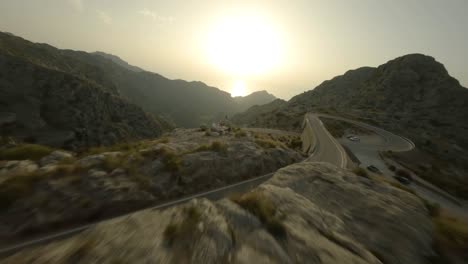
306 42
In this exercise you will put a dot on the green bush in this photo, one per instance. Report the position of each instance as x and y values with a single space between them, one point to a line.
25 152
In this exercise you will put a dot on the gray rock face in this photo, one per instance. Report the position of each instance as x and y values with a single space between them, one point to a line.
51 107
16 167
329 215
110 183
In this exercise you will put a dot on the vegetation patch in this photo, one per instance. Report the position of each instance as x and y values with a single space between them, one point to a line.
267 143
125 147
431 168
215 146
295 143
261 207
361 172
450 238
182 230
25 152
240 133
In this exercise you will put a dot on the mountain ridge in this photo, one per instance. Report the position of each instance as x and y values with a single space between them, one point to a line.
412 95
188 104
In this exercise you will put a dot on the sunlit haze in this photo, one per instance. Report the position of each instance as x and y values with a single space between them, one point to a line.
284 47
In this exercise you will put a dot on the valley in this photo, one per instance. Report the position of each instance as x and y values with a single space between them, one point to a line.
104 162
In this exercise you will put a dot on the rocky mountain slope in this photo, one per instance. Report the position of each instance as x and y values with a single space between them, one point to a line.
307 213
188 104
255 98
119 61
412 95
51 107
42 190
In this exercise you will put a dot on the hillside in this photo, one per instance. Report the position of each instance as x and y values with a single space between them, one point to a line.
412 95
46 106
188 104
119 61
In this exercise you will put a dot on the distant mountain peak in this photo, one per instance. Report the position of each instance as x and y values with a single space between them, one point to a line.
118 60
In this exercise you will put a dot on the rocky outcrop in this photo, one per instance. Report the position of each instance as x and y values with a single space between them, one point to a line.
306 213
63 189
53 108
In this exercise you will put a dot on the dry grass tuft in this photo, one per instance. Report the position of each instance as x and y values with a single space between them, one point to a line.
260 206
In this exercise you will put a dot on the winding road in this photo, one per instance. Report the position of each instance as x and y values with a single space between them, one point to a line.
323 147
317 142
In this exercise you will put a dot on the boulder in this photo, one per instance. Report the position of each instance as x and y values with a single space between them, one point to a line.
55 157
16 167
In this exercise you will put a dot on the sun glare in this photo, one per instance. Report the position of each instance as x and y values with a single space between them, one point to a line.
238 88
244 45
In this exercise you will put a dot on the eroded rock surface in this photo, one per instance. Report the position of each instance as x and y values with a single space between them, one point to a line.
322 214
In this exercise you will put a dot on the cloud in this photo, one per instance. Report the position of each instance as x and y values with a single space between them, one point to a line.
104 17
156 17
76 4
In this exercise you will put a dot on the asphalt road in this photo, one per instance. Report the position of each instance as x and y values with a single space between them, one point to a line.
367 151
326 147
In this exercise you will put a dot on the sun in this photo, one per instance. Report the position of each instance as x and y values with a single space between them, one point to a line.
244 45
238 88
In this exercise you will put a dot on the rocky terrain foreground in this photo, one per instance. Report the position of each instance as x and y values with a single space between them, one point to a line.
43 190
306 213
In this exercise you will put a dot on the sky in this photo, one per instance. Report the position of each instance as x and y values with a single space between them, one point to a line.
284 47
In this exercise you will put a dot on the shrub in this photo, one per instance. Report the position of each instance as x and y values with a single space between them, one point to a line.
361 172
17 187
25 151
264 210
170 159
112 162
219 146
295 143
266 143
241 133
450 237
216 146
183 229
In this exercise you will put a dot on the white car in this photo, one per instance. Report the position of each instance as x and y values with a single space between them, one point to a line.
353 138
